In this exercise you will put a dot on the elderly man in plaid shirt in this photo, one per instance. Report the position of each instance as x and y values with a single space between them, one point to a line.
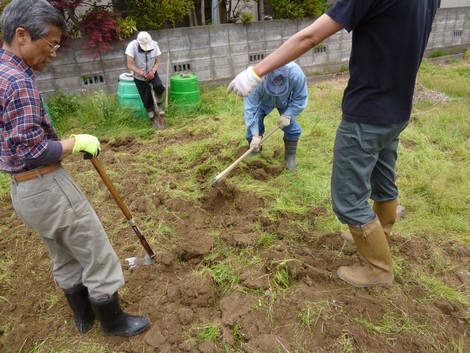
43 193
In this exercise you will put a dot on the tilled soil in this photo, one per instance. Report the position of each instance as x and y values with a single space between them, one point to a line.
288 300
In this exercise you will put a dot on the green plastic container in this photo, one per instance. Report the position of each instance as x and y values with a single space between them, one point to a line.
184 90
129 95
47 109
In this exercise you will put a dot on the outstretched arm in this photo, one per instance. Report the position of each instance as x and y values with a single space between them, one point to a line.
294 47
298 44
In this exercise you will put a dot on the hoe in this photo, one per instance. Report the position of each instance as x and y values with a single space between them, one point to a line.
131 261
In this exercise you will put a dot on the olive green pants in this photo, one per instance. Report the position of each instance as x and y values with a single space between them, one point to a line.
364 162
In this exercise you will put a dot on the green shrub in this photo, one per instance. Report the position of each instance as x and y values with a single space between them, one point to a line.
297 8
437 54
247 17
96 112
128 26
150 14
466 54
62 109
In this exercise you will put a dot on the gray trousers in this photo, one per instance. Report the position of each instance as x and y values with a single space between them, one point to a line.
364 162
55 207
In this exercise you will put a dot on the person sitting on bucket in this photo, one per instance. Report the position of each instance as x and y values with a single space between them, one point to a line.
143 59
286 90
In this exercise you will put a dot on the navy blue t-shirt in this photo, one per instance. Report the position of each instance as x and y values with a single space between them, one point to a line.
388 42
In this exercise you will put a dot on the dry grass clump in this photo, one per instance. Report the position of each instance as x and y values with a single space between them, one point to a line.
424 94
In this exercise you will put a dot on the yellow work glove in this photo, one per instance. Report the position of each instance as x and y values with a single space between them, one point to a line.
86 143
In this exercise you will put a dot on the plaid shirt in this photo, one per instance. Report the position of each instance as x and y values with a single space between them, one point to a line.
25 126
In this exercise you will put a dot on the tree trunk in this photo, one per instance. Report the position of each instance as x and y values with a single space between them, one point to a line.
203 12
229 11
223 11
190 18
193 13
73 17
260 10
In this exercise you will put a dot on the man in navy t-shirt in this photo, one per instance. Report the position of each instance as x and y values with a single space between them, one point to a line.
388 42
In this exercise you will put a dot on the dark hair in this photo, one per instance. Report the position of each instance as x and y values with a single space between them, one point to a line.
33 15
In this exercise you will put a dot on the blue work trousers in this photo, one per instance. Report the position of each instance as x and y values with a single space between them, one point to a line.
291 132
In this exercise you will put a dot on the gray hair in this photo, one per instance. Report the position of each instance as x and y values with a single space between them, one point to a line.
33 15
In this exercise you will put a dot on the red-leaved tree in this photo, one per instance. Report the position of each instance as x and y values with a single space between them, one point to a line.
100 28
98 25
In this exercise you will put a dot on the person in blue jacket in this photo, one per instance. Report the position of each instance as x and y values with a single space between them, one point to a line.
376 108
284 89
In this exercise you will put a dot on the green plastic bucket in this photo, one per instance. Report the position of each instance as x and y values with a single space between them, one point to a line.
184 90
47 109
129 95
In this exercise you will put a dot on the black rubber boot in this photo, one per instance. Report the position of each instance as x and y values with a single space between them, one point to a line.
77 297
290 151
114 321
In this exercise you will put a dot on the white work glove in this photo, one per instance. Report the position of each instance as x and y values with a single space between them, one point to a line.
255 143
284 120
244 82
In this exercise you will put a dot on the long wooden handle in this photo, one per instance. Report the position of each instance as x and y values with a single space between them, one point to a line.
273 130
154 98
222 175
166 86
99 168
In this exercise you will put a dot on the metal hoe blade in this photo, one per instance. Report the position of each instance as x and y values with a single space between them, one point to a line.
160 117
132 262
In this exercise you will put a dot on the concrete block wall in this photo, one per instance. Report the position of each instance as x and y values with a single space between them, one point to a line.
215 54
451 29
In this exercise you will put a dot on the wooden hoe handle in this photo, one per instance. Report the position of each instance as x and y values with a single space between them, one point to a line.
223 174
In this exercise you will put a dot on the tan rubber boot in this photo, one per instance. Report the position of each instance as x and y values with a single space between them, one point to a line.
387 213
373 247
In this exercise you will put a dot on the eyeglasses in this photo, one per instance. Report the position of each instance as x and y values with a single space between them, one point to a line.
54 48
